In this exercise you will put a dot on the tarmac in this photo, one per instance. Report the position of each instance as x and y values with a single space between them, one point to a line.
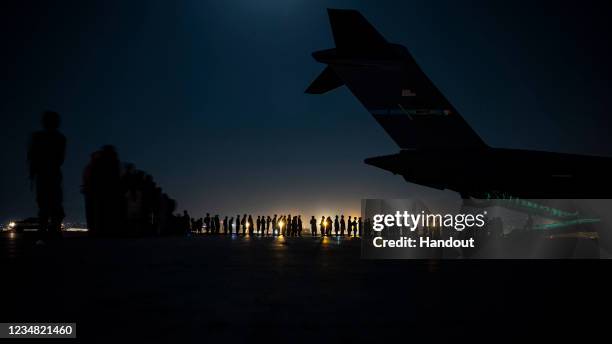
210 289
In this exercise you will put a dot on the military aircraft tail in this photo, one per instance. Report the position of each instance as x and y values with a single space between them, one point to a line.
353 34
390 84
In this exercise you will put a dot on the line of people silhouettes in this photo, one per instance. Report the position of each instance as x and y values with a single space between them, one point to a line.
285 225
122 200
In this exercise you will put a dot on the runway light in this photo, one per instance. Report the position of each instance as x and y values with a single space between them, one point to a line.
12 224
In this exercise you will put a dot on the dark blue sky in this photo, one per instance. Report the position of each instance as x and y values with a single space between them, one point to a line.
208 96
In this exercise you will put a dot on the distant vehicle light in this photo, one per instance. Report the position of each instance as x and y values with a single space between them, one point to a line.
12 224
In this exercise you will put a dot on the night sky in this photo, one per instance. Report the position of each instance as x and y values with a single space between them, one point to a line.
208 97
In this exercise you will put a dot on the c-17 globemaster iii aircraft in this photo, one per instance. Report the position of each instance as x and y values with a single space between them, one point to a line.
438 148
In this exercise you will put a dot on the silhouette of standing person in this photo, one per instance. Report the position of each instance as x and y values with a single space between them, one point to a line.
313 226
213 224
299 223
288 224
106 192
268 222
294 226
274 225
342 225
336 226
350 226
199 224
207 223
360 226
250 224
243 223
322 226
282 225
238 224
46 153
328 226
185 222
217 224
258 221
225 223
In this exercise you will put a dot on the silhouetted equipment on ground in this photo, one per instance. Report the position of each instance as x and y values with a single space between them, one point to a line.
46 154
438 148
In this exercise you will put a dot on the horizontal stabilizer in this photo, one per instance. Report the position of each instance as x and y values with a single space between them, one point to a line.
325 82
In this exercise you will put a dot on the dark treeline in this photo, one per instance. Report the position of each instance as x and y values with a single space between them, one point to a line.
285 225
122 200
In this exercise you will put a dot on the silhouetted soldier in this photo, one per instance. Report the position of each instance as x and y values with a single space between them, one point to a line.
199 224
336 226
328 226
289 225
217 224
350 226
46 154
243 223
322 226
230 225
274 225
207 223
342 225
213 225
250 224
313 226
87 190
185 222
103 189
360 226
294 226
283 225
268 222
258 222
225 225
354 225
238 223
299 223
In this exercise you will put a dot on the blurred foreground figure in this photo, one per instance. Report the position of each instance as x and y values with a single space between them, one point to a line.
123 200
102 190
46 154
